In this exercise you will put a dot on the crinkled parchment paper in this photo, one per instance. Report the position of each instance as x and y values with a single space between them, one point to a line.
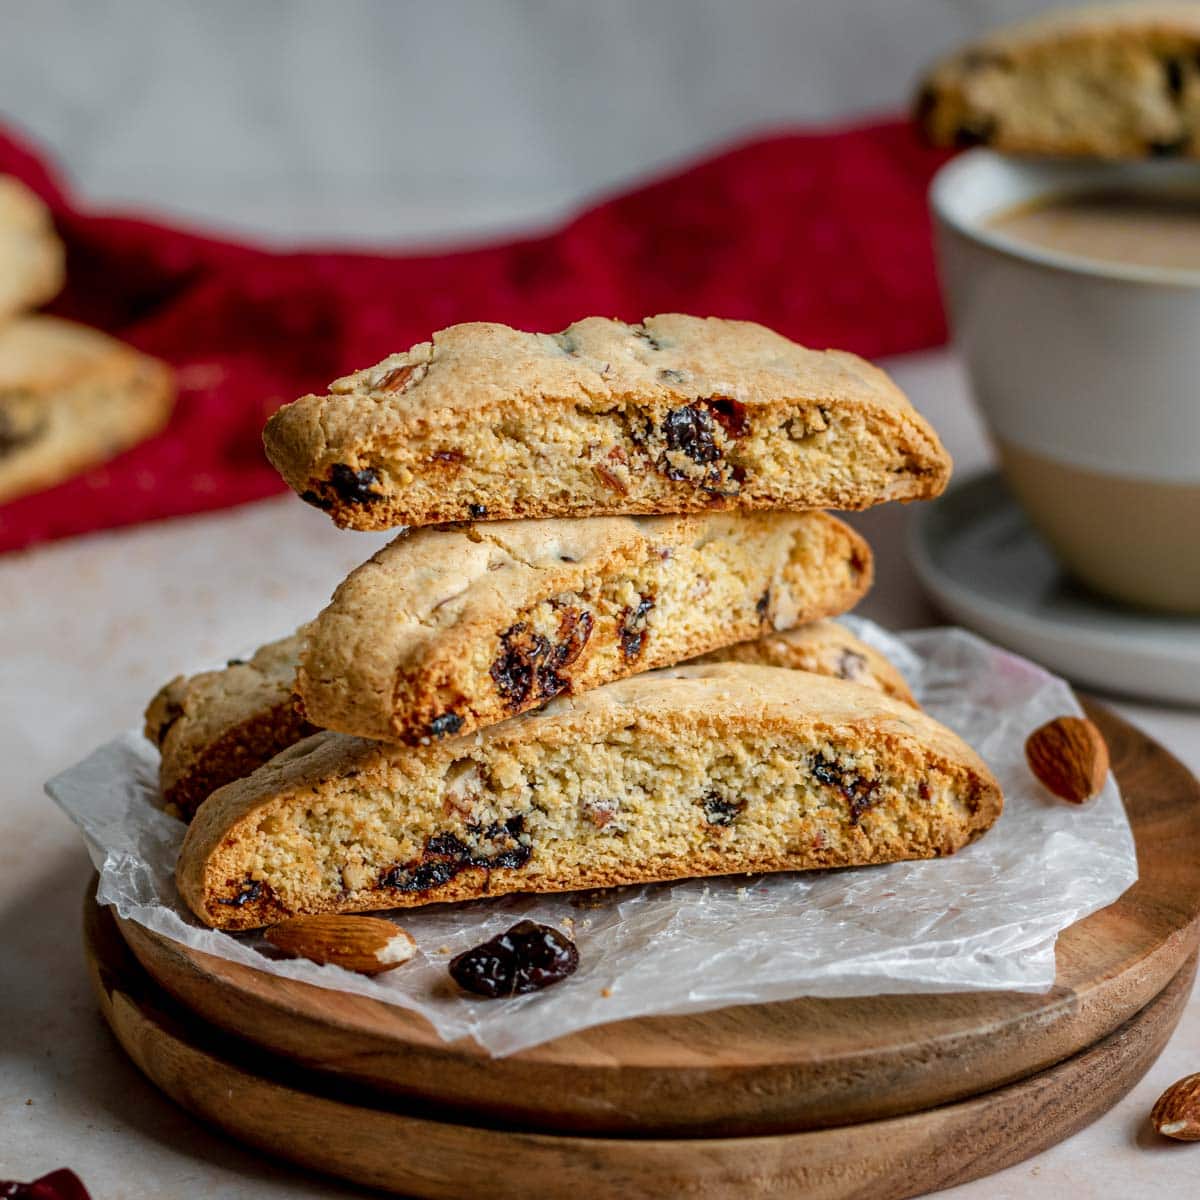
986 918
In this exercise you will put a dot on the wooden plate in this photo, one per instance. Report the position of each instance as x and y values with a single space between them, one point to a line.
802 1064
262 1101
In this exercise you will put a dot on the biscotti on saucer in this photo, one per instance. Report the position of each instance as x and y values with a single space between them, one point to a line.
675 414
695 770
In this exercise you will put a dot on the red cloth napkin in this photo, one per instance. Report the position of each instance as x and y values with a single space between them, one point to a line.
824 236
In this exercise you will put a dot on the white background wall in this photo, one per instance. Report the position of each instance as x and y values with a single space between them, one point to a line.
368 119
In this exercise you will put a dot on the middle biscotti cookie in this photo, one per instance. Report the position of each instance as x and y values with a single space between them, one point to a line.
448 630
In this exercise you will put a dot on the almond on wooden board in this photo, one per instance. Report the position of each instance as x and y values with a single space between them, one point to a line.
1177 1112
368 945
1069 756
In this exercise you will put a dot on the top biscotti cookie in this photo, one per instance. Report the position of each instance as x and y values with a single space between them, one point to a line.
1106 81
677 414
31 256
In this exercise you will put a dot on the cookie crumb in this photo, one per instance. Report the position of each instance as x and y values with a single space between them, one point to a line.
606 992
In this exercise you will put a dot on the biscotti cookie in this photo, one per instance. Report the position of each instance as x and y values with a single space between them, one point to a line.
71 397
1120 81
825 648
677 414
695 770
31 256
447 630
220 725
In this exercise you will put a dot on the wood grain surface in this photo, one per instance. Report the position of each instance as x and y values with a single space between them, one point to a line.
801 1064
259 1100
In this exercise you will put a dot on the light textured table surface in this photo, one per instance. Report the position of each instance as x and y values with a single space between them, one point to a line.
90 629
443 120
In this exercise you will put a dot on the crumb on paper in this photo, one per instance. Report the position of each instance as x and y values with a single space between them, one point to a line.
741 893
606 992
443 949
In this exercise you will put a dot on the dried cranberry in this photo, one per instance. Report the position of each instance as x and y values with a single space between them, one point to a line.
353 487
763 607
719 811
730 414
976 132
633 627
527 958
690 431
858 791
251 890
321 502
530 664
444 723
851 665
58 1185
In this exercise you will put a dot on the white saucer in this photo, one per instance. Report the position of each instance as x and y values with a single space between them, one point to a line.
981 562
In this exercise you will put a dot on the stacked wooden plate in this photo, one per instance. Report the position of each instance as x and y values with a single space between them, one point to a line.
886 1096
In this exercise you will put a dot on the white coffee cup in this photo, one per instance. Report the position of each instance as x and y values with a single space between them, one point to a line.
1087 373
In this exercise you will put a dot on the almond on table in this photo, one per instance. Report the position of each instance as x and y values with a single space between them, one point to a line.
695 770
676 414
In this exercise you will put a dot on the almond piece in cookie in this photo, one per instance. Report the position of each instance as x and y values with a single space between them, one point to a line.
448 630
703 770
676 414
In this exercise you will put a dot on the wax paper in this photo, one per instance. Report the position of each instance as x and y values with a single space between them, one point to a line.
984 919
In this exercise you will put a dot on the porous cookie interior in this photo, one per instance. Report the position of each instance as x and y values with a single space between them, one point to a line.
625 805
628 455
736 579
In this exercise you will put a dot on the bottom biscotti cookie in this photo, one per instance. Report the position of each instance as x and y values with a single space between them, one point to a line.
700 770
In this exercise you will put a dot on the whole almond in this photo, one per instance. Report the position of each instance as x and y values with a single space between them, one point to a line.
1069 756
1177 1113
368 945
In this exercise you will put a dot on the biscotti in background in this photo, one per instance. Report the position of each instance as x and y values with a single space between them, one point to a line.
32 258
1118 81
675 414
72 397
689 771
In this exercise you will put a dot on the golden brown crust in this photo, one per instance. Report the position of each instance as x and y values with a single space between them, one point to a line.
1106 81
448 630
691 770
32 259
72 397
677 414
221 725
825 648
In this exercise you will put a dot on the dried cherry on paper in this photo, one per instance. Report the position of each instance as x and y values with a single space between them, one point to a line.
526 958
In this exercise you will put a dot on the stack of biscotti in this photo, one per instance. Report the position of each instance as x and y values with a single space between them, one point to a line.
70 396
600 650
